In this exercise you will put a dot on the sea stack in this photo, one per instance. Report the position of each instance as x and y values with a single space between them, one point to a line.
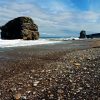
20 28
82 34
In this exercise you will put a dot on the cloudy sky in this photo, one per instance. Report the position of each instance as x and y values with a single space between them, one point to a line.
55 17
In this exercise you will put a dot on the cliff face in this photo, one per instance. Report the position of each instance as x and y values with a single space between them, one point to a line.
96 35
20 28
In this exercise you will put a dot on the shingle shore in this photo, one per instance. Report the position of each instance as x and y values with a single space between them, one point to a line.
69 74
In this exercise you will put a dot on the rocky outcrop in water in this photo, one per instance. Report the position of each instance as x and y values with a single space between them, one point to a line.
20 28
82 34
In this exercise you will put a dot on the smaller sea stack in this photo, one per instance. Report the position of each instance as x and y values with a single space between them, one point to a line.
82 34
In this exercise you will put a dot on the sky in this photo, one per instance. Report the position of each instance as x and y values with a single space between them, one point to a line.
63 18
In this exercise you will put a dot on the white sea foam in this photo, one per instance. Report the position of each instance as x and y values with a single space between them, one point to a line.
19 42
64 39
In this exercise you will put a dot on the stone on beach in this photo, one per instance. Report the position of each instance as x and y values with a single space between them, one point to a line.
17 96
77 64
36 83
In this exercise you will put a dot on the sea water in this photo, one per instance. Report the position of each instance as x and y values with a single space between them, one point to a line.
41 41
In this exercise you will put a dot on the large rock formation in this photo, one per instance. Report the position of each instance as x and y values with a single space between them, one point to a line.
20 28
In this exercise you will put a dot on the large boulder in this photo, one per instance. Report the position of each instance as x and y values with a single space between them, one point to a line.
20 28
83 34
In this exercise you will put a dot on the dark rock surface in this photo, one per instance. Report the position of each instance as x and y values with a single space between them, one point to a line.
20 28
82 34
96 35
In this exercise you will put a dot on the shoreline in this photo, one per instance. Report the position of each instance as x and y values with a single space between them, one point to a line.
51 72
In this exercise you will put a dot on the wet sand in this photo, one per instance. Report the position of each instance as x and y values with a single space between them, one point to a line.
63 71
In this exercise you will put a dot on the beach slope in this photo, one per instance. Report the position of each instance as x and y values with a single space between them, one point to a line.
64 71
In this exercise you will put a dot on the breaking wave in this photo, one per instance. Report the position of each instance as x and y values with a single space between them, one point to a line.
19 42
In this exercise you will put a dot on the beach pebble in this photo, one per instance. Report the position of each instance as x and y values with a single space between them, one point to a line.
51 96
84 68
28 92
36 83
17 96
20 83
88 58
13 89
32 70
23 98
77 64
87 85
34 92
60 91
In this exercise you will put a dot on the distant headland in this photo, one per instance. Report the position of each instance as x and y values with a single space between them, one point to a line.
84 35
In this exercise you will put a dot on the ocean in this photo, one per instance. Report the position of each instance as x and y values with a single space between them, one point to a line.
41 41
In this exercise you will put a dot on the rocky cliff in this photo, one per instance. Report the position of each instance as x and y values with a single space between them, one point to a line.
20 28
83 35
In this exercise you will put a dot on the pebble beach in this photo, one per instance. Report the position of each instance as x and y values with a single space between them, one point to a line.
62 71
